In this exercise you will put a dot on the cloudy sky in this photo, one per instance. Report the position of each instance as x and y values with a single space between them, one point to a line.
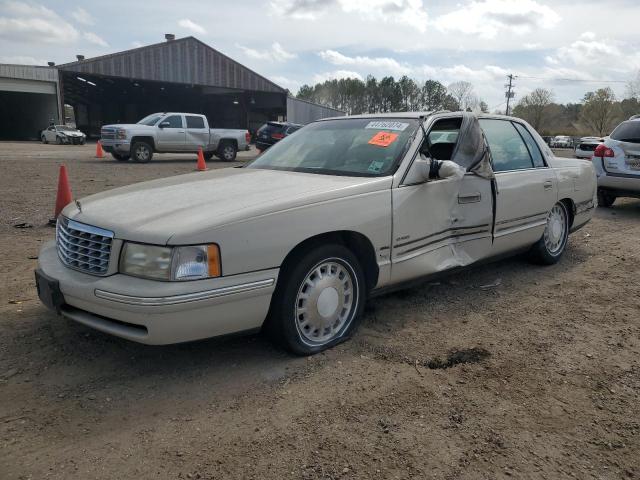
558 45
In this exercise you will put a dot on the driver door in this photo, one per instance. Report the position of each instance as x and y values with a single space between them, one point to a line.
172 136
440 224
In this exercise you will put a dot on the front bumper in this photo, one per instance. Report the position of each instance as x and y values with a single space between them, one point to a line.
159 313
116 146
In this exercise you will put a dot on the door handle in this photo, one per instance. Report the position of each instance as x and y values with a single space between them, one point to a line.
548 185
469 198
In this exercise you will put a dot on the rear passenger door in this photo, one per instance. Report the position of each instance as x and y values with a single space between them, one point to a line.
197 133
526 188
171 137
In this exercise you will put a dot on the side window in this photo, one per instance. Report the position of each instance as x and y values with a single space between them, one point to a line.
508 150
534 150
175 121
194 122
443 137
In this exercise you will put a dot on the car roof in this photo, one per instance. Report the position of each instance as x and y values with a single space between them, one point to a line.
418 115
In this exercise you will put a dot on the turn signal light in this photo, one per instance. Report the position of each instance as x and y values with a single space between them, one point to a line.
213 259
603 151
247 137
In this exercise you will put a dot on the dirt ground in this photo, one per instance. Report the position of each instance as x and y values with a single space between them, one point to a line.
551 392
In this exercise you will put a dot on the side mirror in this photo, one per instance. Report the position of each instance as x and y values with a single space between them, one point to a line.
164 125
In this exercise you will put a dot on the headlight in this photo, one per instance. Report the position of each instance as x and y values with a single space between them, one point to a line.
170 263
121 133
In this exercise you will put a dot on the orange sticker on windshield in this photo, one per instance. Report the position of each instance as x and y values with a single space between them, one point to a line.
383 139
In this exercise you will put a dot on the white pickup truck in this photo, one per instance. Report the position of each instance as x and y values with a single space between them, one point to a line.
172 132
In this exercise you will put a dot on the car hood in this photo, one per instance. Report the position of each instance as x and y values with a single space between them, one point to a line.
127 125
184 205
74 133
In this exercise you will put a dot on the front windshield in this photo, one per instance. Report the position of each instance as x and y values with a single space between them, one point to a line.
351 147
64 128
150 120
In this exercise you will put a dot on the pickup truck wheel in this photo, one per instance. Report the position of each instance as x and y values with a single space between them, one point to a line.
605 199
319 300
141 152
551 246
227 151
208 156
121 158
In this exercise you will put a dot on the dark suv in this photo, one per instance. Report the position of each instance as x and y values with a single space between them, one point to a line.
273 132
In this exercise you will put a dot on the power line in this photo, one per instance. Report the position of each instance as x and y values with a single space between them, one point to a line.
572 79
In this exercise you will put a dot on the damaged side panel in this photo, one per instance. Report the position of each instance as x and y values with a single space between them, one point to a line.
440 225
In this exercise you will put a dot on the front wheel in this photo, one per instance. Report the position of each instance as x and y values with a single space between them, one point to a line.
605 199
319 300
551 246
44 139
227 152
141 152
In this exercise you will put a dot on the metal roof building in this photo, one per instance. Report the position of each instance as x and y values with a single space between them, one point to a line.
175 75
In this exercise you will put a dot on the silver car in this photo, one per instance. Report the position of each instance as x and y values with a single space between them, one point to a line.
617 163
586 146
63 134
296 241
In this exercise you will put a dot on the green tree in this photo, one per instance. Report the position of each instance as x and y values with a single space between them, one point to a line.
533 107
598 110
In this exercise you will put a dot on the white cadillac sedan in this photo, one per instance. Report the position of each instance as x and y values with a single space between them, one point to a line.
297 240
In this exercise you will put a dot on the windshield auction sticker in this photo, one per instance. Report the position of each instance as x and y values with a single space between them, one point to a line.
383 139
385 125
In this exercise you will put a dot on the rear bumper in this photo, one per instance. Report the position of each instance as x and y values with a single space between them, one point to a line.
159 313
623 184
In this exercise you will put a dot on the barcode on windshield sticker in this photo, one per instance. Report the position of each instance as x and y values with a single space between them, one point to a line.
385 125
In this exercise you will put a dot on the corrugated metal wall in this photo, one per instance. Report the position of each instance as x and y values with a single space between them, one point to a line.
186 60
303 112
29 72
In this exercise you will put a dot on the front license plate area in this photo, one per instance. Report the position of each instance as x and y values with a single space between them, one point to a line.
49 291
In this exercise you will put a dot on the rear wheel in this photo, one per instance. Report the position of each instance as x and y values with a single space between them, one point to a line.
319 300
44 139
120 157
141 152
208 156
227 151
605 199
551 246
58 140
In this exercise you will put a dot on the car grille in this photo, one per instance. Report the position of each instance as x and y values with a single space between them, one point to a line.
108 133
83 247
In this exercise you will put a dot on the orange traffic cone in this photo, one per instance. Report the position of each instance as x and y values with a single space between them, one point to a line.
64 196
99 152
202 165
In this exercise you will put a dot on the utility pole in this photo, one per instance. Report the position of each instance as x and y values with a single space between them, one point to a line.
509 93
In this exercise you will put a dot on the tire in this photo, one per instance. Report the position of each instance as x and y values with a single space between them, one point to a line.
121 158
58 141
82 142
141 152
44 139
605 199
549 249
227 152
208 156
319 300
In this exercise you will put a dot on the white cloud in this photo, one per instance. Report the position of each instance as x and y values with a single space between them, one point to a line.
488 18
22 60
589 52
285 82
192 26
95 39
532 46
383 64
403 12
274 54
82 16
137 44
335 75
33 23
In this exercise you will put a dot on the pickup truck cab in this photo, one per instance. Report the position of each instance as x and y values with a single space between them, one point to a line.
172 132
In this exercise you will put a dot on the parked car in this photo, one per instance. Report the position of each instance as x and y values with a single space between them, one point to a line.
63 134
297 240
586 146
561 141
617 163
172 132
273 132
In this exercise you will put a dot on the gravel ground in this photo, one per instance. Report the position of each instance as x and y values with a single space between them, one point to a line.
547 384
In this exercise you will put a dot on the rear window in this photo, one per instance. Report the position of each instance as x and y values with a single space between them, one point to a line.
195 122
627 132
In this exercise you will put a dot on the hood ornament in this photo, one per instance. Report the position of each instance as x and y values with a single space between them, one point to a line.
79 206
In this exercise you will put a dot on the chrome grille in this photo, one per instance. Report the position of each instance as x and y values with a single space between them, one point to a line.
83 247
108 133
